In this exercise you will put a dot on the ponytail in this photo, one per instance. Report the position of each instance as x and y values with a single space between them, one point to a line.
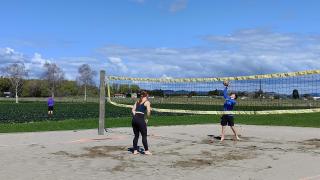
142 95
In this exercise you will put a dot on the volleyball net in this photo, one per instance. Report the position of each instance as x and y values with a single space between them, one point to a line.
280 93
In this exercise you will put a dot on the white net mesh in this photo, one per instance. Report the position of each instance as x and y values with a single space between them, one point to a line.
297 92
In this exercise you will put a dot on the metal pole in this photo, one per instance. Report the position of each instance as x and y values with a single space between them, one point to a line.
102 102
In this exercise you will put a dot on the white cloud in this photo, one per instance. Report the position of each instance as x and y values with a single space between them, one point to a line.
164 76
37 59
70 65
117 65
178 5
115 60
34 64
8 51
9 55
246 52
257 39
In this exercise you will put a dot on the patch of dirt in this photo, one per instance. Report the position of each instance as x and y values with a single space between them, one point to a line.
37 145
34 145
183 134
273 157
312 142
195 163
64 153
206 141
96 152
237 157
207 158
171 152
119 168
272 142
206 153
102 152
228 138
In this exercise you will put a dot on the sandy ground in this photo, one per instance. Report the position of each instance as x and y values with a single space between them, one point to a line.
179 152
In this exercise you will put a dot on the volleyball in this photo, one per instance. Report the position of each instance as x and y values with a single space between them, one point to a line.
226 83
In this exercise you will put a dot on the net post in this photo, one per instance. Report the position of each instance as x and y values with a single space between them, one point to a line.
102 103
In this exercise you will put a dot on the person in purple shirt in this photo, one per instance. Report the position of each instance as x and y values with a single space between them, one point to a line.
50 106
227 119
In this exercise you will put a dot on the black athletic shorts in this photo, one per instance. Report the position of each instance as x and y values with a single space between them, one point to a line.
50 108
227 120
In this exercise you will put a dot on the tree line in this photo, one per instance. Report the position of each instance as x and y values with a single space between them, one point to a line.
52 82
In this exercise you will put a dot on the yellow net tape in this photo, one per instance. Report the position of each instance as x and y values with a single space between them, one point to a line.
265 76
239 78
180 111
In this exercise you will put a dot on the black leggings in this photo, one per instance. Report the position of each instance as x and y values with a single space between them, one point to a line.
139 126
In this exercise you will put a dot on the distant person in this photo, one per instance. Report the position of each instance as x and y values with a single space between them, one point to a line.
50 106
227 119
139 123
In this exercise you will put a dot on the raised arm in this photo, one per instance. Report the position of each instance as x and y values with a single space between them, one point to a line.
225 93
134 108
148 106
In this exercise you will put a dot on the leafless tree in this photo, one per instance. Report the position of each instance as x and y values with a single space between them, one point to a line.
16 72
54 75
86 75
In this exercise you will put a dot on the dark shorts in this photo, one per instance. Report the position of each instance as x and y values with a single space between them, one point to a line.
227 120
50 108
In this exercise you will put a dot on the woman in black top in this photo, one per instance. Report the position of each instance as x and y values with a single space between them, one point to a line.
139 124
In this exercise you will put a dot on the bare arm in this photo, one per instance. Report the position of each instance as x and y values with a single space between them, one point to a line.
134 109
148 106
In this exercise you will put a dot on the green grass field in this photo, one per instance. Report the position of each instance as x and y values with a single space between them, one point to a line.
31 116
301 120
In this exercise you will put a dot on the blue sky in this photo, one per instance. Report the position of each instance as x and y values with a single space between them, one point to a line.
164 38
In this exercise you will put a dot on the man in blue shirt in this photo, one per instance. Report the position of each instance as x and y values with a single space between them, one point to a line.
50 106
227 119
